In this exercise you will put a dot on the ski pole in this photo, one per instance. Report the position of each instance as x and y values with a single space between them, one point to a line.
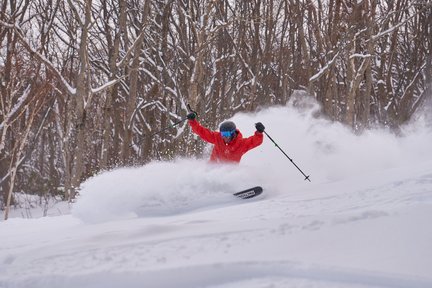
158 132
306 177
166 128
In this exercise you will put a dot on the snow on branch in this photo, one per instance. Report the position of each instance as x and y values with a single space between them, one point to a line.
106 85
391 29
16 107
417 102
324 69
357 55
69 89
137 41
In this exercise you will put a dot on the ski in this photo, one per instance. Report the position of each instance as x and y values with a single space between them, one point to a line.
249 193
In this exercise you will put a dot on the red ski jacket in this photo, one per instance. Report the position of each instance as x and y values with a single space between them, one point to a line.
230 152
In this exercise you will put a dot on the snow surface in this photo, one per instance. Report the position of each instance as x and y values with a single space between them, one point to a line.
363 221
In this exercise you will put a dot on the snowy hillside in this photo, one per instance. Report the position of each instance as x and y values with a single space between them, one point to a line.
363 221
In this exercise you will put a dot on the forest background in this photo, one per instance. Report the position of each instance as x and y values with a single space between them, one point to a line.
84 84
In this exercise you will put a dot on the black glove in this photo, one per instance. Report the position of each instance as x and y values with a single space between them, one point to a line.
260 127
191 116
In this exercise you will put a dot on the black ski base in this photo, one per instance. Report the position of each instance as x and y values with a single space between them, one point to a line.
249 193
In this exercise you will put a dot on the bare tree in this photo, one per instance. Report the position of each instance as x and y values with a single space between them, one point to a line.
115 73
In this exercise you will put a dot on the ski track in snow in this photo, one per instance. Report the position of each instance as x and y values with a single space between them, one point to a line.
248 274
157 250
357 225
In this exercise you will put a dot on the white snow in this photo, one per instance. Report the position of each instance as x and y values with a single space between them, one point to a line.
323 69
363 221
358 55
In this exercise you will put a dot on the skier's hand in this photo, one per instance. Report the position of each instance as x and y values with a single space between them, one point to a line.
259 127
191 116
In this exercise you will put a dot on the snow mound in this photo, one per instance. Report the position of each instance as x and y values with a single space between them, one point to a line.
363 221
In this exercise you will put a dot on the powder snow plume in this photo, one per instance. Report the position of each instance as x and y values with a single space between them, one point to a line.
327 151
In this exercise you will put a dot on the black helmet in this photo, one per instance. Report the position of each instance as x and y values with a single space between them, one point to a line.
227 126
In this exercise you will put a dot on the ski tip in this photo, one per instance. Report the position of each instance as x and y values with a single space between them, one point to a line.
258 189
249 193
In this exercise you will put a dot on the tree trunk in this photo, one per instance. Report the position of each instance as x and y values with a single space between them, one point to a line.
15 159
83 93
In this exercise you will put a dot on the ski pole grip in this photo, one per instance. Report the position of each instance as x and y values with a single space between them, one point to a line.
191 110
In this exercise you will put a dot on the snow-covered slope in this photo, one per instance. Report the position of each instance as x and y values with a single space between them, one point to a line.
364 221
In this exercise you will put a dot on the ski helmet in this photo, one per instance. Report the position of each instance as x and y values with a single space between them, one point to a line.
227 126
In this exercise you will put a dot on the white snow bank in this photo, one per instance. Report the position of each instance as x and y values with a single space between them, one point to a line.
362 223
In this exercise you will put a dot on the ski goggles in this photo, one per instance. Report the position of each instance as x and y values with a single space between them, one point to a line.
227 134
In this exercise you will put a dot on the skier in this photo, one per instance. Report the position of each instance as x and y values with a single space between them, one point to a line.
229 144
